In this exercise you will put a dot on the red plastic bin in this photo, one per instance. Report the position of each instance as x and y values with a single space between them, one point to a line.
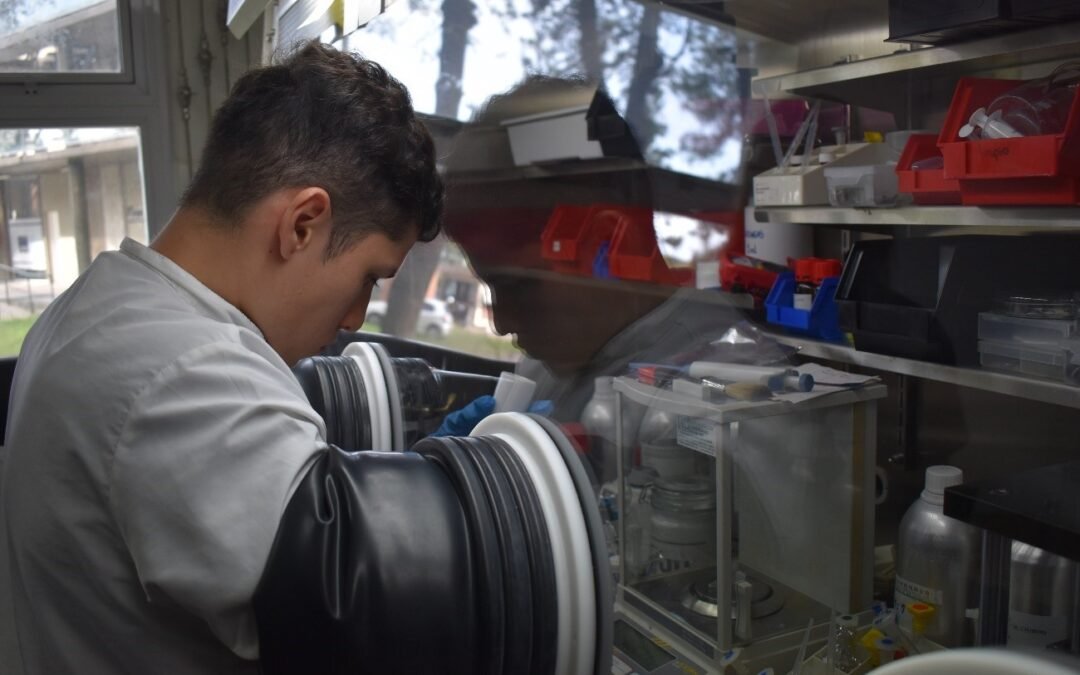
634 255
573 234
1030 170
927 186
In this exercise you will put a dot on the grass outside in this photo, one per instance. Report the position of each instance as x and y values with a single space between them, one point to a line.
12 334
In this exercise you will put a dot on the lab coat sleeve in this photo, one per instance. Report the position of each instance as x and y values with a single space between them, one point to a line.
208 459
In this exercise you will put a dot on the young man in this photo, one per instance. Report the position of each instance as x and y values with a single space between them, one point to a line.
156 431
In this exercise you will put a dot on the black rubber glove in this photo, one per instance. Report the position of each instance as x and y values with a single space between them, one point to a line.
324 602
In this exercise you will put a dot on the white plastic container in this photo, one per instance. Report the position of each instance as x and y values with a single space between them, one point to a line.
777 242
1047 361
1005 328
598 418
865 180
551 136
868 185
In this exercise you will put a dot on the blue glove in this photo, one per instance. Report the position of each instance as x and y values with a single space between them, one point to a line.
544 408
461 422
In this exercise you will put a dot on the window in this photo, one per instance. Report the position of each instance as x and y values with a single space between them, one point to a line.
671 76
59 36
85 154
68 194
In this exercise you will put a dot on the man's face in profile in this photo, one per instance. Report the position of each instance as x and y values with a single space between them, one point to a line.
559 319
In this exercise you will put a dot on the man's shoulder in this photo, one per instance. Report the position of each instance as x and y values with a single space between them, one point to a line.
119 329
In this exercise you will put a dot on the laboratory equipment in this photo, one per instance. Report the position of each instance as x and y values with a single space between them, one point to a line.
1001 327
802 183
1033 108
513 393
522 544
1053 362
938 563
1042 596
920 298
777 378
753 545
369 399
871 183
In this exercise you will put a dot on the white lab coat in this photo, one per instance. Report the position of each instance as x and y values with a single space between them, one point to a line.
154 440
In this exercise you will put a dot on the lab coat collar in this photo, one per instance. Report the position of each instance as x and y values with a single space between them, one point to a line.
208 302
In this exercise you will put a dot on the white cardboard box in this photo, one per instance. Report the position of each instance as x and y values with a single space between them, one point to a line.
550 136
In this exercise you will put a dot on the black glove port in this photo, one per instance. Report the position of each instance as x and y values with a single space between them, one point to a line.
419 397
440 560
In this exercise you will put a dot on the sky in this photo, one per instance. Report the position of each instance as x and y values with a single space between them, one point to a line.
406 40
32 12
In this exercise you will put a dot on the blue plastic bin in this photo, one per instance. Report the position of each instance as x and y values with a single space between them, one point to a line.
821 321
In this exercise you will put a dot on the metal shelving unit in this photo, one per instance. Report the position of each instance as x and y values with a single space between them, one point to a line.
1045 391
887 82
670 190
1016 217
848 81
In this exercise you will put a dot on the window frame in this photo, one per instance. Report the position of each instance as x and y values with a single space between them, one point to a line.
124 76
136 97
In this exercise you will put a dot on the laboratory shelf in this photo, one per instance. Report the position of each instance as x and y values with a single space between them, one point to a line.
671 190
1012 217
1040 507
864 82
1045 391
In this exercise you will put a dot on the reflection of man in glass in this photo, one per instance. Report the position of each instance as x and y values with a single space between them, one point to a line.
574 328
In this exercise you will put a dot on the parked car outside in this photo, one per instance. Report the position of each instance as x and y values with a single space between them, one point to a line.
434 320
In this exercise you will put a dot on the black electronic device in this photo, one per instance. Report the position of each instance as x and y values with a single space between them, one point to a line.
939 21
920 298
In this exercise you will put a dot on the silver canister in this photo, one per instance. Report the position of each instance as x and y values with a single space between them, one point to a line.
682 524
938 561
1042 588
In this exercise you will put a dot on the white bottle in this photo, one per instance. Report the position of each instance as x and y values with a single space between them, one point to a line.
938 561
598 418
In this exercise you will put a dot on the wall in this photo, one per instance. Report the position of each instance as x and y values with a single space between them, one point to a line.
203 61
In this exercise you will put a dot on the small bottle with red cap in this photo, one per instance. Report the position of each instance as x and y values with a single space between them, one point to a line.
825 268
809 274
804 284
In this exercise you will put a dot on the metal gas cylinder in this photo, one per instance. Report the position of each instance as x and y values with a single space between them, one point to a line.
1042 591
938 561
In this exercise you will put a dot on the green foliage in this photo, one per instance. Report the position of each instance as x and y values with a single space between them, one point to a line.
12 334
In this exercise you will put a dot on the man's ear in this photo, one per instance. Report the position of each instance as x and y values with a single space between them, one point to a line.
305 222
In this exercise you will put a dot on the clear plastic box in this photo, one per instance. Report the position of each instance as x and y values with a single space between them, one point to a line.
1047 361
867 185
1003 328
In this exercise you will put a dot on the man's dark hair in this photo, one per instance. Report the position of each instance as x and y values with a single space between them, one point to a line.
325 118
